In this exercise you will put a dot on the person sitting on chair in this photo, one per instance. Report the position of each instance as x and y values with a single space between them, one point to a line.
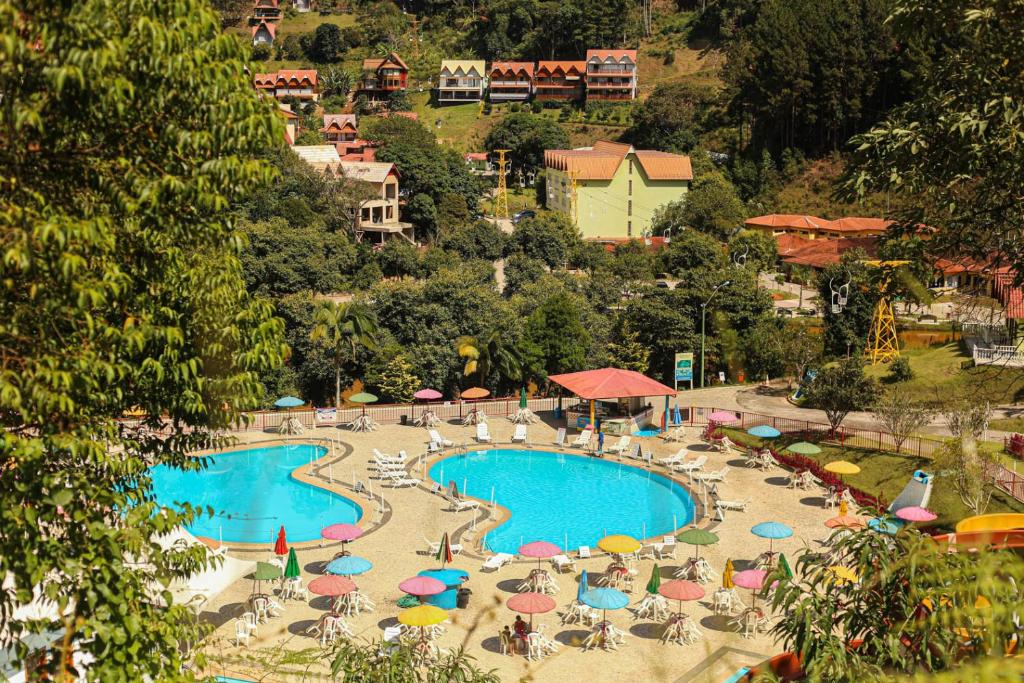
522 631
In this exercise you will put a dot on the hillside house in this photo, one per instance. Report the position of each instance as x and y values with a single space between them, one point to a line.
812 227
302 5
378 216
300 83
381 77
611 74
611 190
291 123
321 157
461 80
511 81
266 10
340 128
561 81
264 33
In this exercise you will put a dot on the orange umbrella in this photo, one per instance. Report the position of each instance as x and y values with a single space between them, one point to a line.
475 392
845 522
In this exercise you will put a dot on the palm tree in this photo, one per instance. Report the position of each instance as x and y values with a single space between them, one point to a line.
481 353
344 327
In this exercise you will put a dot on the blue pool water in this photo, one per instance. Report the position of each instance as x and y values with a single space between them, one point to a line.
568 500
252 494
650 431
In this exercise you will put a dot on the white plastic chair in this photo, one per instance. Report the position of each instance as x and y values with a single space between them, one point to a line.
250 621
534 647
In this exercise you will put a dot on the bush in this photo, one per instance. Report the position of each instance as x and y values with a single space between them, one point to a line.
261 52
514 107
536 106
487 108
670 57
900 370
554 104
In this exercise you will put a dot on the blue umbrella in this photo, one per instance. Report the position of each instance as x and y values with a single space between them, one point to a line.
604 599
349 565
764 432
771 531
289 402
884 526
583 586
678 416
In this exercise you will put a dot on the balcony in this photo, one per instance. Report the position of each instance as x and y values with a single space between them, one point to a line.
509 96
609 96
510 84
617 71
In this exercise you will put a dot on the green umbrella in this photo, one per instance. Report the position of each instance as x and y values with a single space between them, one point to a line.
803 448
522 398
291 570
364 398
655 582
784 566
697 537
265 572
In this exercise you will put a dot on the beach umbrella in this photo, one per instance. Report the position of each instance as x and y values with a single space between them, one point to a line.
677 416
605 599
291 569
265 571
883 526
475 393
845 522
655 582
727 581
331 586
583 587
341 532
752 579
362 398
349 565
841 467
422 585
427 395
680 589
723 417
803 448
764 432
522 398
784 566
421 617
771 531
444 552
531 603
913 513
288 402
281 546
541 550
619 544
841 575
697 537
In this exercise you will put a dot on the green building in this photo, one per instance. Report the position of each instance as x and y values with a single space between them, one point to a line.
612 190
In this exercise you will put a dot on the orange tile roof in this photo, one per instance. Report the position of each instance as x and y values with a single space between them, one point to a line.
1010 296
269 25
617 55
851 225
664 166
859 224
284 77
821 253
588 164
782 220
607 146
374 64
475 156
565 67
513 67
338 122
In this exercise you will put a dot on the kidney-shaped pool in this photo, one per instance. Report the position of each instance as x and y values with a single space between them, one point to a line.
252 494
568 500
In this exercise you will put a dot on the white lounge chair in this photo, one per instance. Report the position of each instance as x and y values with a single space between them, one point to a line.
713 476
646 455
692 466
560 437
584 552
738 505
519 434
459 504
674 459
583 440
667 548
398 479
725 444
634 451
620 446
436 437
387 457
677 433
242 633
563 563
483 434
434 447
497 561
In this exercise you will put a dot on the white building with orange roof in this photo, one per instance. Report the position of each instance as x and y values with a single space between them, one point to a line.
611 190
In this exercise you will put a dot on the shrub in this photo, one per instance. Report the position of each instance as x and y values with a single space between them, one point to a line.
514 107
536 107
487 108
261 52
900 370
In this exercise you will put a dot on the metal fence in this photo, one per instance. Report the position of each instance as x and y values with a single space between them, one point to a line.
1006 480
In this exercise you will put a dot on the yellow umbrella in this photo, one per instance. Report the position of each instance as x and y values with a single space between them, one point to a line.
842 575
619 544
841 467
727 575
424 615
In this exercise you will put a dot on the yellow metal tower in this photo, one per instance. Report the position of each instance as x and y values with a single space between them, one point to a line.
501 198
883 344
573 204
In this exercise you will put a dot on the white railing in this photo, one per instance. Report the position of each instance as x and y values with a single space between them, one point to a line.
999 355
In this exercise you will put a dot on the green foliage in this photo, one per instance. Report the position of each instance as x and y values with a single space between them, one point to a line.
398 258
555 339
713 206
626 350
664 324
122 288
362 664
548 237
290 47
326 45
491 351
690 250
673 118
633 261
840 389
399 101
474 240
755 248
846 331
342 328
901 414
421 212
527 137
280 259
397 381
900 370
335 81
521 270
261 52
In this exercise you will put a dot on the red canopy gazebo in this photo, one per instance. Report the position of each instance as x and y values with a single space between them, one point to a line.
612 383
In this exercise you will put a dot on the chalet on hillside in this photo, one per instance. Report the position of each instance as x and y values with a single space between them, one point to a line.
264 33
339 127
561 81
379 215
511 81
269 10
291 123
300 83
303 5
611 74
383 76
461 80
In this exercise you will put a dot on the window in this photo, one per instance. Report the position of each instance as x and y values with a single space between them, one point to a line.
389 212
630 168
389 190
629 228
631 184
629 208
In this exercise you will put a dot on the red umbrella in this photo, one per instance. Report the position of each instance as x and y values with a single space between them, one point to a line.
531 603
281 547
680 590
444 553
422 585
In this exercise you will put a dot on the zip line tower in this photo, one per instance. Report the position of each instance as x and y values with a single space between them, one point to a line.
501 198
883 344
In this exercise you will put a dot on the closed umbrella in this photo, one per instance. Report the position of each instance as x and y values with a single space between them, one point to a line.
803 448
291 569
727 581
265 571
764 432
583 587
281 546
541 550
655 582
771 531
444 552
349 565
531 603
522 398
679 590
343 533
784 566
697 538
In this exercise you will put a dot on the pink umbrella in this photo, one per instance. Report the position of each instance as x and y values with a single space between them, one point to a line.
723 417
427 395
343 533
680 589
531 603
752 579
915 514
331 585
422 585
542 550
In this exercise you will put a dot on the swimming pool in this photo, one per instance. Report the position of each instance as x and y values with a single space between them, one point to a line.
568 500
252 494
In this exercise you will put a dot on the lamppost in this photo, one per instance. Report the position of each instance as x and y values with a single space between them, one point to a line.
703 316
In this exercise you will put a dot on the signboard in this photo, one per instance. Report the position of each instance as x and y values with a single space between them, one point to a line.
684 369
326 415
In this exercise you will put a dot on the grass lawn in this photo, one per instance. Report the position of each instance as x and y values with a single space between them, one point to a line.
462 126
518 199
779 295
938 376
885 474
1008 424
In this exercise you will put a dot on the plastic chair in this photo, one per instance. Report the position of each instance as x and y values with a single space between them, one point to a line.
242 633
250 621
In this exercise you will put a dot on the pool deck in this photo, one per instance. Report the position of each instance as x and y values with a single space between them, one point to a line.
395 543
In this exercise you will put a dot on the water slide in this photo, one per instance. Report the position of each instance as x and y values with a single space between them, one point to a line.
1002 530
917 492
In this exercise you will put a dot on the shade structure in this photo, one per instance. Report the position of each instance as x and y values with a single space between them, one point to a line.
723 417
883 526
764 432
281 545
427 395
291 569
771 530
531 603
422 585
474 393
803 448
750 578
266 571
331 586
288 402
341 532
913 513
611 383
540 549
655 581
697 537
605 598
619 544
583 587
841 467
845 522
841 575
681 589
424 615
727 575
348 566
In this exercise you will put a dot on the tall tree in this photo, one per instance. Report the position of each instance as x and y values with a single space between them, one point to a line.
841 389
487 352
121 288
343 328
901 415
527 136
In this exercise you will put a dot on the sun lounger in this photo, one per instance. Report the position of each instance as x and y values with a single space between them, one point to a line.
692 466
675 459
386 457
497 561
621 445
483 434
738 505
646 455
519 434
634 451
434 447
398 479
459 504
583 440
725 444
713 476
584 552
436 437
563 563
675 434
560 437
